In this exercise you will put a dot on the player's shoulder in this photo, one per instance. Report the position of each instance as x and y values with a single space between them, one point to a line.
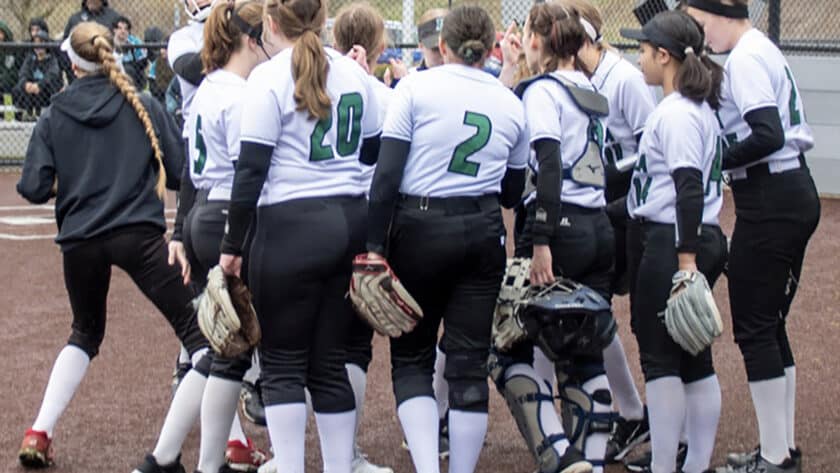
754 47
679 111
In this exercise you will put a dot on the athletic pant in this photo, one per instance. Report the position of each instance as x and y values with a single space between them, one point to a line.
776 214
140 251
449 255
652 262
300 266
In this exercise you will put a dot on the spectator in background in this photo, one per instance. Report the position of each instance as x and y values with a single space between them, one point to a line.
153 34
134 60
160 73
37 25
38 79
92 10
10 61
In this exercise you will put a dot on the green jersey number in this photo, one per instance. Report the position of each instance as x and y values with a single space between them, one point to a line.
349 133
200 146
472 145
641 182
795 114
716 174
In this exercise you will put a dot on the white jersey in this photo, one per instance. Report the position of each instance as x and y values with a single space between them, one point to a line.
756 75
631 102
552 114
311 158
465 129
215 124
383 98
679 134
186 40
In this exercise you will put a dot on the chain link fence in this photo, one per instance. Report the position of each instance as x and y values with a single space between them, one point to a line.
806 28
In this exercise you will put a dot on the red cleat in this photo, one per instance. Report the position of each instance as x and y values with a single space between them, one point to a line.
243 457
35 450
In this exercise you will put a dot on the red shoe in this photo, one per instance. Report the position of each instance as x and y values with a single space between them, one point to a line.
244 457
35 450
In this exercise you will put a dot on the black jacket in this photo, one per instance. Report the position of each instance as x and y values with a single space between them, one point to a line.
45 72
105 17
92 142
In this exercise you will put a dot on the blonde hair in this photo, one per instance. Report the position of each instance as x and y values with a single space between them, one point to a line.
93 42
222 32
302 20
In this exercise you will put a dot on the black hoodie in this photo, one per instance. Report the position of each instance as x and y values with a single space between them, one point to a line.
93 143
105 17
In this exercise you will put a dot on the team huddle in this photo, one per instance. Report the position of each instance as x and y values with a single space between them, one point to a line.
483 224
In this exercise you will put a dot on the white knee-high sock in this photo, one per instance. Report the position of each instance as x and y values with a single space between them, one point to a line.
218 409
337 434
622 386
420 426
549 421
358 381
545 369
287 431
790 407
666 410
181 417
236 432
466 437
596 444
68 371
702 414
770 402
440 384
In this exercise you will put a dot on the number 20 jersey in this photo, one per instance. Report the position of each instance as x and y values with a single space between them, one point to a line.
465 130
312 157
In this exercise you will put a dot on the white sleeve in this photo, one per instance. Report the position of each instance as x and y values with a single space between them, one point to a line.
636 101
262 123
681 137
521 150
178 45
541 111
399 121
372 121
232 117
750 83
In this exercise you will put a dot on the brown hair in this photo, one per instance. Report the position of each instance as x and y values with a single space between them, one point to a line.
360 23
94 42
560 29
469 32
222 33
302 20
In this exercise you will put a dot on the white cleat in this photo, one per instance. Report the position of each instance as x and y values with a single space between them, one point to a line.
362 465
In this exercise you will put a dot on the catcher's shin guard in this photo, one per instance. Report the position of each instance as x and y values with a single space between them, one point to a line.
532 406
583 413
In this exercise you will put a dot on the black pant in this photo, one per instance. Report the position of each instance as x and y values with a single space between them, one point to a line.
582 250
451 259
140 251
31 102
652 262
299 271
776 214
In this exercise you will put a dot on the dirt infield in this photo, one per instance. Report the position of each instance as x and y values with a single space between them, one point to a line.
120 406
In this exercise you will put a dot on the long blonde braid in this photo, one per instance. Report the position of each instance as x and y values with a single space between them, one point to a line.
92 34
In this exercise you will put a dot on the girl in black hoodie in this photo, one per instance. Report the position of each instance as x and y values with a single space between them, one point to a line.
107 155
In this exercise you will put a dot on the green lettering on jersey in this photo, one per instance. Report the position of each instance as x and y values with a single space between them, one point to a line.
200 146
795 115
471 145
612 149
642 189
349 133
716 173
641 164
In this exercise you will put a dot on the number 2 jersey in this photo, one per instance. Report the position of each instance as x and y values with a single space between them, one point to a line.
465 130
189 39
679 134
311 157
214 126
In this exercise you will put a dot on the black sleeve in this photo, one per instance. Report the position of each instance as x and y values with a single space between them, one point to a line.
393 154
370 150
766 137
24 72
38 174
549 189
189 67
170 141
251 171
186 200
689 186
512 186
617 209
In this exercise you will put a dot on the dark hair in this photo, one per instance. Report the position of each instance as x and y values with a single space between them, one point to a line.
469 32
698 77
222 31
560 28
302 20
119 20
40 22
359 23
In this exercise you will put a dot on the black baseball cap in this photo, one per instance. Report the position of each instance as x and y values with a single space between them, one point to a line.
653 33
429 32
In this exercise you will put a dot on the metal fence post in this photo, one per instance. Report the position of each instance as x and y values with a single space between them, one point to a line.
774 20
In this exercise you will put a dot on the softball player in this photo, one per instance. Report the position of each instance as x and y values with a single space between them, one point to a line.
312 120
777 210
631 102
674 202
449 155
109 209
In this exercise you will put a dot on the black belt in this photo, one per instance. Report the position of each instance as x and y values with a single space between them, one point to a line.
451 205
762 170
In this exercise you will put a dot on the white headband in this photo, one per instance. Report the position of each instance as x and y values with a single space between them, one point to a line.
80 62
590 30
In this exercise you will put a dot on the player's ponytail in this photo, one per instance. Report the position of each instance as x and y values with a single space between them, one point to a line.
224 28
94 44
469 32
359 23
301 21
561 32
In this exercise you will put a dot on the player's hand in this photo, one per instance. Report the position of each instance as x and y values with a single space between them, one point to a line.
541 273
511 45
358 54
398 69
231 265
177 254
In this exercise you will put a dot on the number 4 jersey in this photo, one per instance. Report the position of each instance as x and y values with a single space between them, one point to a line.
312 157
465 130
678 134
